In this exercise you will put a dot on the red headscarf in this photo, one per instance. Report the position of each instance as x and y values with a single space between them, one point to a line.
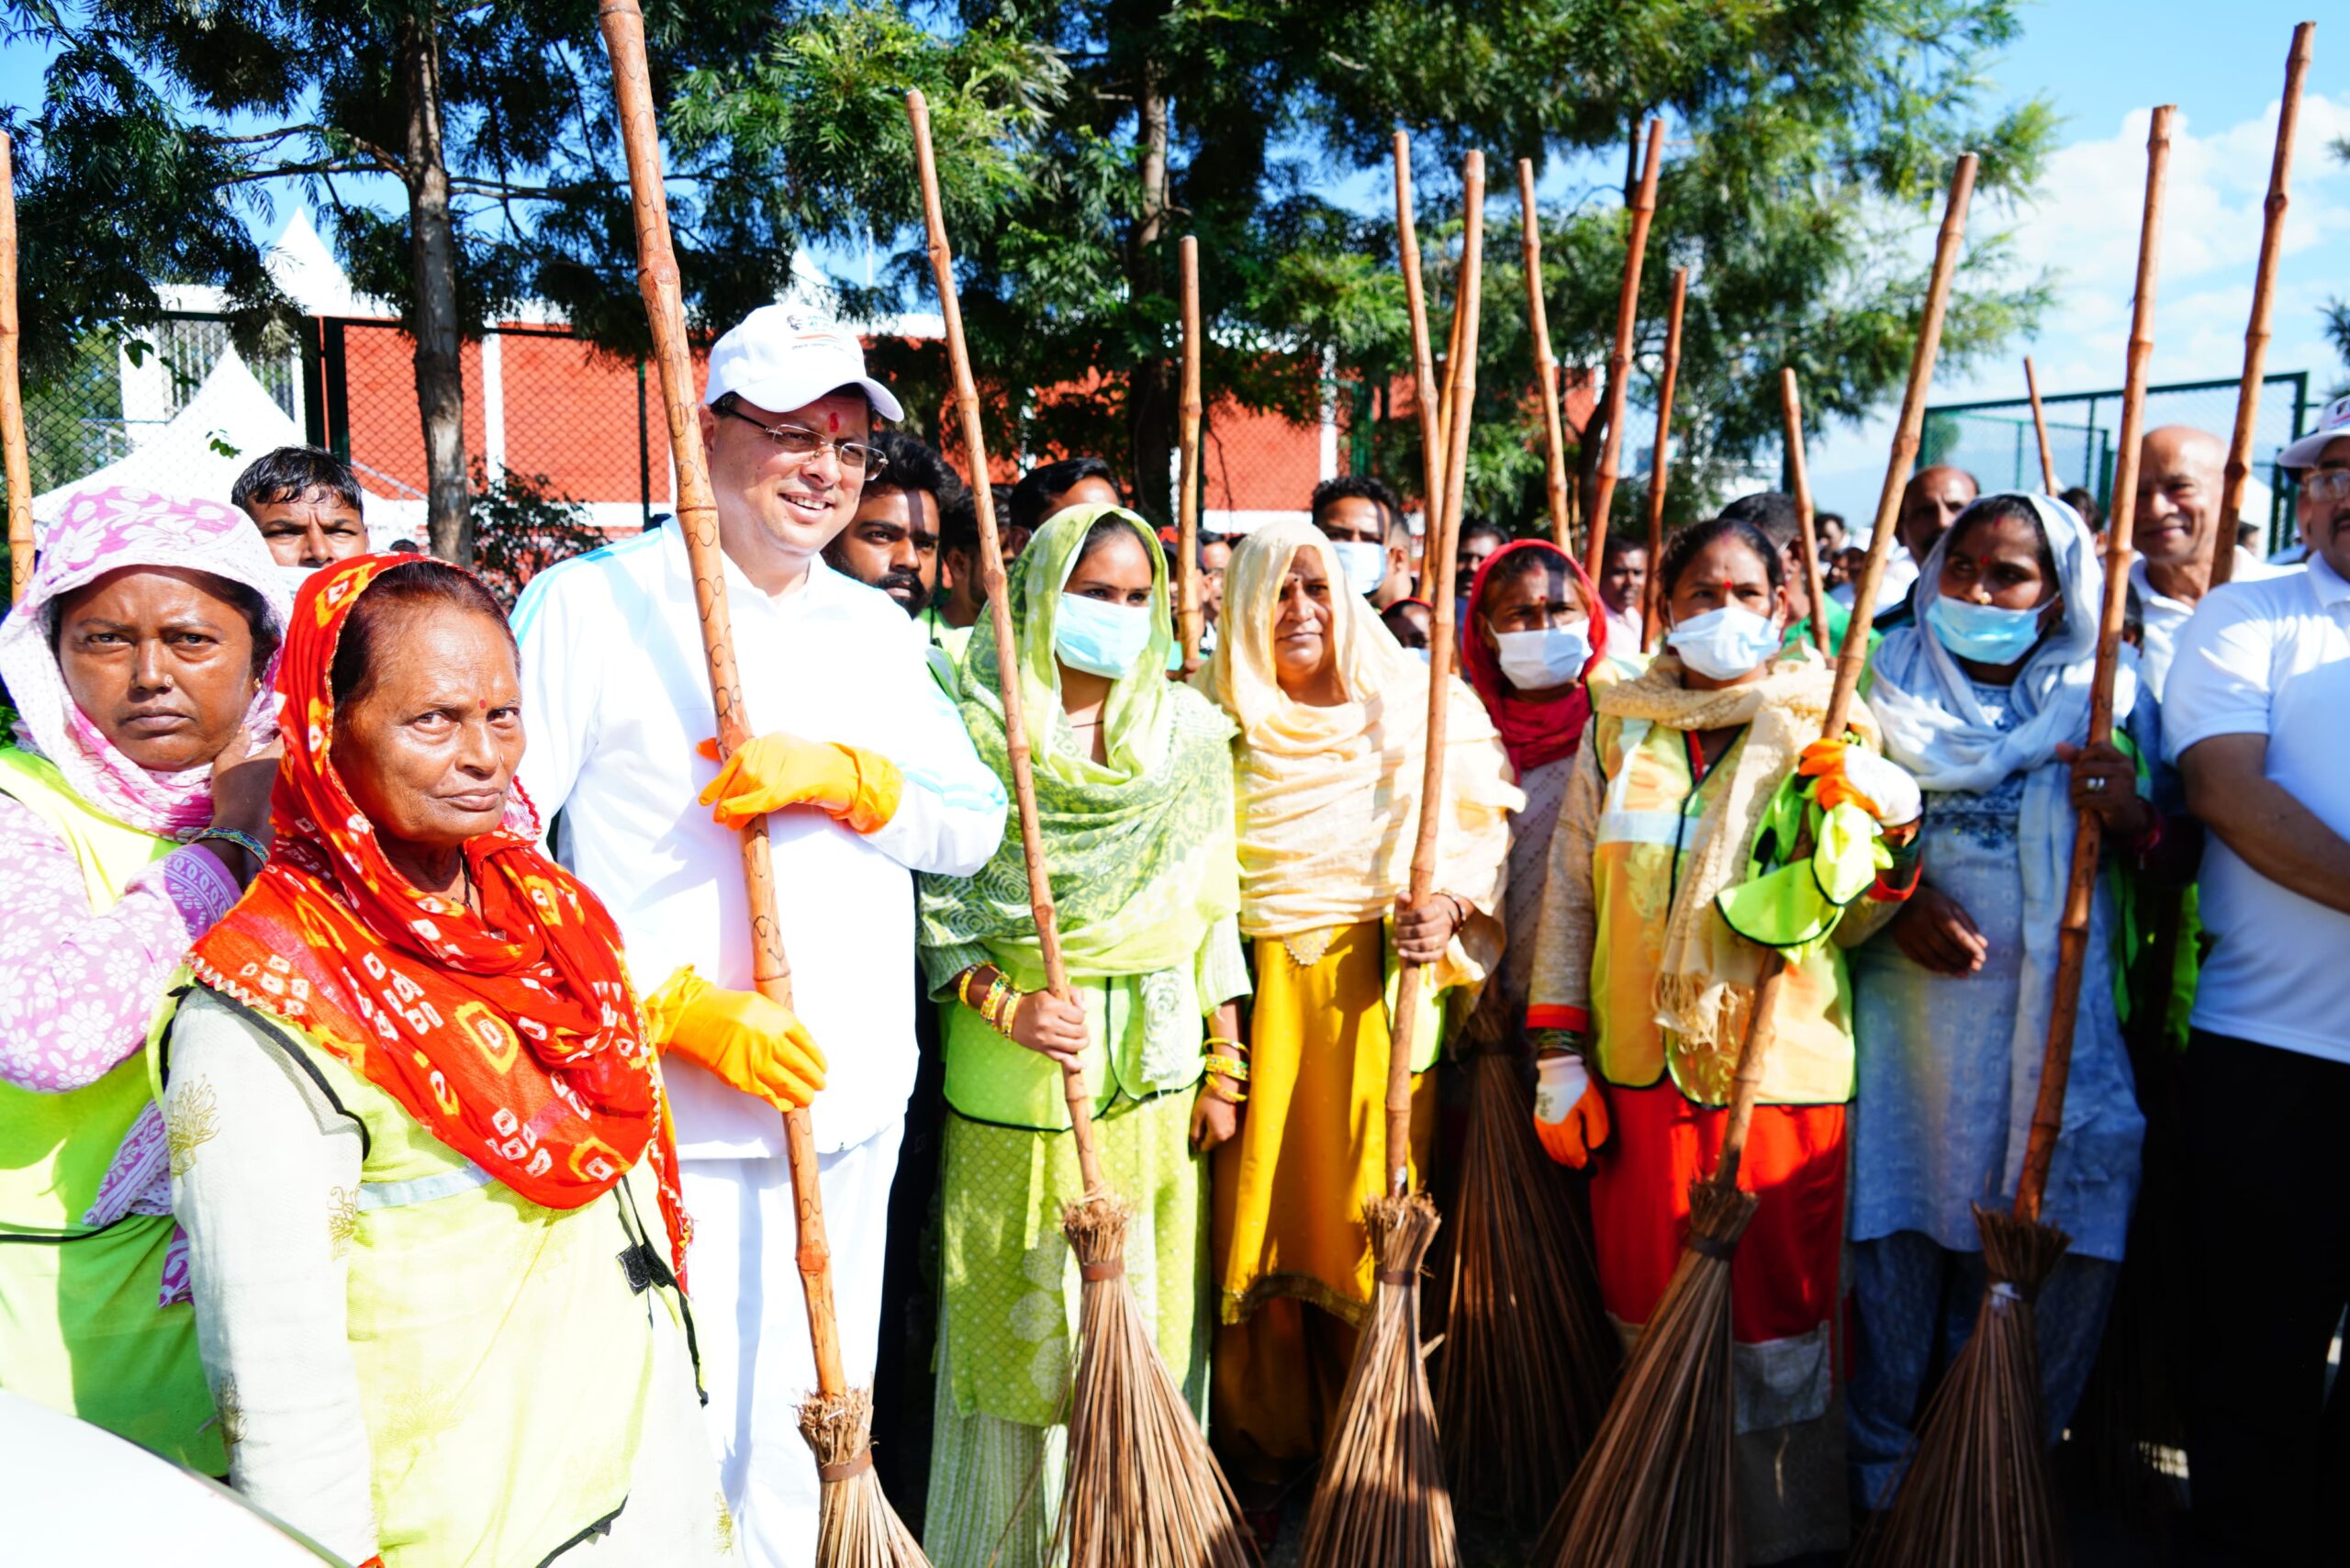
513 1035
1532 733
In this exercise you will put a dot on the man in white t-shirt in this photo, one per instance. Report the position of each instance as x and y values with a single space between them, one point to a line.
866 776
2257 716
2179 474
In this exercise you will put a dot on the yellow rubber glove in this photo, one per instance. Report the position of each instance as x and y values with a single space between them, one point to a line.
859 787
1570 1117
750 1043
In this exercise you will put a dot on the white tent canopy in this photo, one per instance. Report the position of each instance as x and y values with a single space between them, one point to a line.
231 421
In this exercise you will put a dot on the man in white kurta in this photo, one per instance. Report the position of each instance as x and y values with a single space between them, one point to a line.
615 701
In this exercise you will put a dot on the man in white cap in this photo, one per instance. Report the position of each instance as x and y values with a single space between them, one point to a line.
2253 717
866 776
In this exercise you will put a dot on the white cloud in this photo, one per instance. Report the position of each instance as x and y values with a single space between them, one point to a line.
2083 228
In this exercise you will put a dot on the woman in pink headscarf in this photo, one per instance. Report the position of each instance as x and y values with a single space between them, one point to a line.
134 807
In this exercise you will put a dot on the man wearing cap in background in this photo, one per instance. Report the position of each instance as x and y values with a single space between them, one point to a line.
2254 716
866 774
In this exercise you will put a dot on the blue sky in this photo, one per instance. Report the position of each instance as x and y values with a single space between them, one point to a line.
2102 63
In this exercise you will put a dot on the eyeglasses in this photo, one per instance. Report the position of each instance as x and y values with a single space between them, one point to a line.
2327 485
800 443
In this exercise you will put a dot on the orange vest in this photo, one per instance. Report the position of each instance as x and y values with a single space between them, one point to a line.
1649 821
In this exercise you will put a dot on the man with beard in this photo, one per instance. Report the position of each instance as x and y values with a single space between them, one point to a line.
864 774
914 517
2253 717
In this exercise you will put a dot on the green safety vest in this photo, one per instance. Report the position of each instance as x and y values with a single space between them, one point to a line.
80 1329
504 1350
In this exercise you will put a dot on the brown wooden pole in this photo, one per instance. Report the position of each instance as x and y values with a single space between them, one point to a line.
1619 359
1440 637
2263 296
624 28
17 462
1808 537
1444 388
1423 391
1186 503
1546 366
2073 935
1074 1090
1651 604
1853 653
2039 428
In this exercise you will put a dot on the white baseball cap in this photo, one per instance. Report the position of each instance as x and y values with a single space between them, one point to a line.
2332 424
782 357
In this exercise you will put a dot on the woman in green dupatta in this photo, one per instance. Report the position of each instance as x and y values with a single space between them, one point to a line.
1133 790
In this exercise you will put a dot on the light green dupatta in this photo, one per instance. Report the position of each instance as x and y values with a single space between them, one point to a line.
1140 849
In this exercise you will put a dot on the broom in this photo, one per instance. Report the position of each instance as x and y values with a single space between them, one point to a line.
1382 1496
1977 1490
1141 1490
1527 1354
2264 294
1657 1489
1191 614
1546 367
18 464
1806 536
2039 428
1619 359
1652 597
856 1528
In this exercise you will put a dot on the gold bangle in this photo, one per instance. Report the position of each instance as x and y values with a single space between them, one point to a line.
963 985
1004 1024
998 988
1239 1048
1225 1090
1232 1068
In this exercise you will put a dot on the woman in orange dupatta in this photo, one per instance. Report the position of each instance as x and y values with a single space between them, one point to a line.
417 1133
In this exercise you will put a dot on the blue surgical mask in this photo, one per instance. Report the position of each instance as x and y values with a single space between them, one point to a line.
1724 644
1098 637
1986 633
1364 561
1543 658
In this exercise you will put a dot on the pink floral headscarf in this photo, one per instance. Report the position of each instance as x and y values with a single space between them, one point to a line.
101 532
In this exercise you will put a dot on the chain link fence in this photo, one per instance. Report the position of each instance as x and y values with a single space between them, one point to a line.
1995 441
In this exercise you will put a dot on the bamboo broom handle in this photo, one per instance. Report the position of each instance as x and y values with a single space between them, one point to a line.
2264 296
1074 1090
624 28
2039 428
17 463
1444 388
1186 503
1546 366
1424 847
1651 606
1854 653
1807 534
2073 935
1424 389
1619 359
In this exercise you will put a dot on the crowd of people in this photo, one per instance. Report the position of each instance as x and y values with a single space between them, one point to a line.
388 1115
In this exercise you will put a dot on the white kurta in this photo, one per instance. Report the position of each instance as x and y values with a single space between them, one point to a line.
615 700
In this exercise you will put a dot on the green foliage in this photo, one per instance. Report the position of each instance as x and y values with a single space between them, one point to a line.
523 525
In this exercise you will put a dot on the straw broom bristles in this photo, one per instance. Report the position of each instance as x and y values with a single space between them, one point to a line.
1976 1491
1529 1356
856 1524
1142 1490
1659 1489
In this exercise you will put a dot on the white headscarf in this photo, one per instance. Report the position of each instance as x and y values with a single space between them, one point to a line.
1936 729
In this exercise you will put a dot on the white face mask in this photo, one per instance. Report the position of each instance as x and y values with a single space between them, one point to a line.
294 576
1539 660
1420 654
1364 561
1724 644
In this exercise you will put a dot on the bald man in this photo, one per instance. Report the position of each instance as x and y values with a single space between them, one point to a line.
1931 502
2179 473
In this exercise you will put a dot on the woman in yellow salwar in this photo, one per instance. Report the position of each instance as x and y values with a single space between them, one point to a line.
1327 768
1134 787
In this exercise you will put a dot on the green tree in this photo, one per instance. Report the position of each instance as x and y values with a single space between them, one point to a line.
1810 139
162 126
